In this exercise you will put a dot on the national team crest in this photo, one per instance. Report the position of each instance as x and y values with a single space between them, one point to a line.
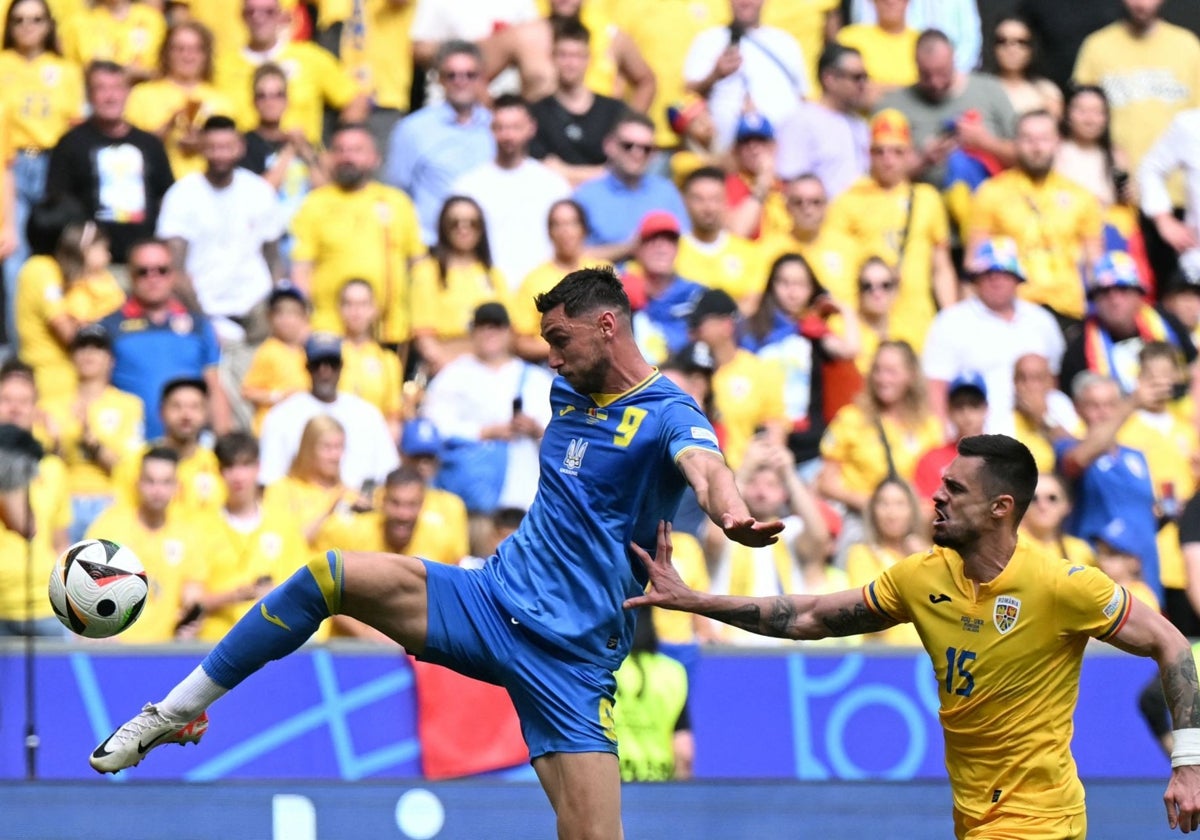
1006 612
576 449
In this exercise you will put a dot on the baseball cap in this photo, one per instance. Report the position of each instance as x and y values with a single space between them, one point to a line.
713 303
1115 270
657 223
694 357
419 437
968 380
754 126
323 346
92 335
890 128
998 254
286 291
490 314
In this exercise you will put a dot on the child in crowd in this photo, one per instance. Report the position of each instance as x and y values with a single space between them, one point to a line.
278 368
369 370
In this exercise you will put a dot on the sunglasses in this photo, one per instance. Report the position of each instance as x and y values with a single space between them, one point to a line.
885 286
270 94
460 75
462 221
1011 42
628 146
805 202
857 78
20 19
1052 498
148 270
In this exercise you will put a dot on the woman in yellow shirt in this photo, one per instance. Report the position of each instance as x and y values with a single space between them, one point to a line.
369 370
174 107
1043 522
452 282
123 31
313 491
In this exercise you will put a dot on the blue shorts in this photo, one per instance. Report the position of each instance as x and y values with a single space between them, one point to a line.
565 704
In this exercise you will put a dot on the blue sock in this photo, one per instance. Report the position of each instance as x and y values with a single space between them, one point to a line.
279 623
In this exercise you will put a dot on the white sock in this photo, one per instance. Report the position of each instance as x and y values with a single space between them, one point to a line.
191 696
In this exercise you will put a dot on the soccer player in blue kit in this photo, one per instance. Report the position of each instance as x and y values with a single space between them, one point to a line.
544 616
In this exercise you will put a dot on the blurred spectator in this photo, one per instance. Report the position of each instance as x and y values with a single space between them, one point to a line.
1054 223
223 226
1087 155
748 391
437 23
457 276
56 295
490 409
184 414
514 191
369 370
421 450
1172 449
356 227
627 191
834 255
1011 61
828 137
174 548
1189 540
1180 295
813 25
887 45
573 120
692 123
316 79
42 95
950 110
877 292
892 530
531 47
1044 519
1116 555
710 254
431 147
1040 409
1118 324
312 493
277 369
752 189
967 411
285 159
370 451
743 67
882 433
660 298
93 427
262 545
1176 150
567 225
124 32
653 723
791 329
1110 481
119 173
987 332
692 370
959 19
28 562
1060 29
904 223
175 106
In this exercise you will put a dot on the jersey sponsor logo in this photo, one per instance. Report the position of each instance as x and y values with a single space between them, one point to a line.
1114 603
699 433
274 619
573 460
565 410
1005 613
939 598
1075 569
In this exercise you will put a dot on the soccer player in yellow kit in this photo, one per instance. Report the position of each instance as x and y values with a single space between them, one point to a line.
1005 624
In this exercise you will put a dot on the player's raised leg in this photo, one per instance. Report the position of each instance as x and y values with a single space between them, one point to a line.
585 791
386 591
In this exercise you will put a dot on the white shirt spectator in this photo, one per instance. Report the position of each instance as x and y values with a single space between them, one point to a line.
370 451
773 74
959 19
1178 148
469 20
225 230
516 203
970 337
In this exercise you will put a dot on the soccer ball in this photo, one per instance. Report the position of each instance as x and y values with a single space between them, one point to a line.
98 588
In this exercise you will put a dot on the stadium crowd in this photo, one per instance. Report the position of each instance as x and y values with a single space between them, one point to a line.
269 271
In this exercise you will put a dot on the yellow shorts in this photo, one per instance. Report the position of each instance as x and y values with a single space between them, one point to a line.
1019 827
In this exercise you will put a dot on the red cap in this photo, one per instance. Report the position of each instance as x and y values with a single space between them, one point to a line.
658 222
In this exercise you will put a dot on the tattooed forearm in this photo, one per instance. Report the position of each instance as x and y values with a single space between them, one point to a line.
776 620
1179 686
851 622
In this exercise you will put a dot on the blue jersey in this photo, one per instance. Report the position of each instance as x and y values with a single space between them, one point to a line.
608 475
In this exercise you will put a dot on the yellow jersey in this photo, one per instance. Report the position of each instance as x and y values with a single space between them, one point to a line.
116 419
1007 656
444 307
51 505
852 440
431 539
376 50
732 264
132 41
152 103
373 373
43 98
526 320
747 393
833 257
175 555
274 548
370 233
276 366
1050 222
890 58
804 20
672 626
877 219
1071 549
864 563
304 502
200 488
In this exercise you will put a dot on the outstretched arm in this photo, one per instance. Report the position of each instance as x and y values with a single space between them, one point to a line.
717 493
785 616
1147 633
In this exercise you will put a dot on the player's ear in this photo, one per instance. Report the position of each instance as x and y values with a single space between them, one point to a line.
1002 506
607 322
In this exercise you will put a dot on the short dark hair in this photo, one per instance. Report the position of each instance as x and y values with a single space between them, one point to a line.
704 173
173 385
160 453
218 122
511 100
933 36
235 446
632 118
584 290
403 474
831 56
570 29
95 68
1008 468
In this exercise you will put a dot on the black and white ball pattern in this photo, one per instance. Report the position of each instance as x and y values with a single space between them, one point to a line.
98 588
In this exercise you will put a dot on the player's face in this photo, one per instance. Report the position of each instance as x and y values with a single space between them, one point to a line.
705 203
960 506
184 413
577 350
156 485
401 507
571 59
893 513
18 401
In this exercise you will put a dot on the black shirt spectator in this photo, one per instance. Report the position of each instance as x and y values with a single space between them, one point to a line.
575 139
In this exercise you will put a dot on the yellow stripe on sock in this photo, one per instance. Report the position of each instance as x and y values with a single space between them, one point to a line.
329 581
